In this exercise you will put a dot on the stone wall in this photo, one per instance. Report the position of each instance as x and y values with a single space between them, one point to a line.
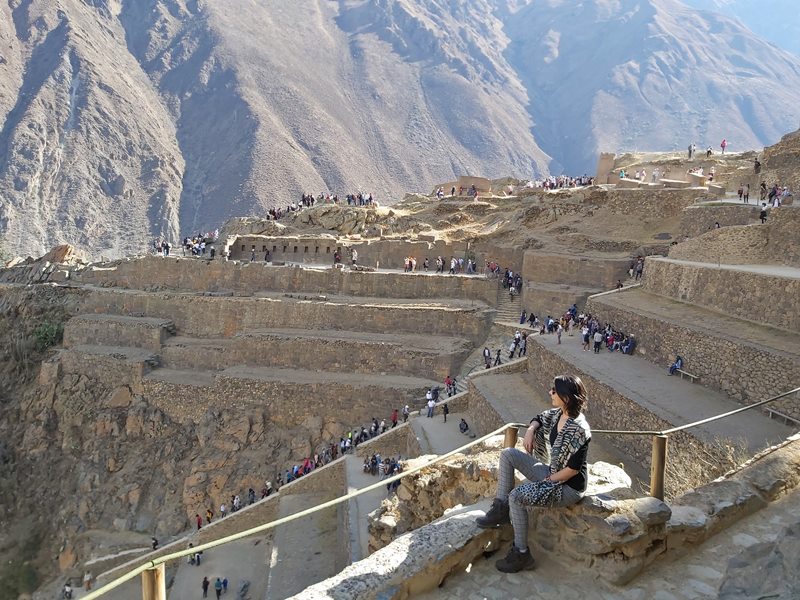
698 219
106 368
580 271
123 331
288 402
608 409
774 242
316 351
398 441
484 417
746 373
156 273
544 299
764 298
208 316
657 204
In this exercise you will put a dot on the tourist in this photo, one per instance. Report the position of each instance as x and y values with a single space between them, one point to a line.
87 581
619 284
677 365
763 214
562 483
487 356
463 427
747 193
394 418
222 510
67 591
723 144
198 520
218 587
598 340
431 406
225 585
209 515
406 412
154 543
445 411
629 346
497 361
205 585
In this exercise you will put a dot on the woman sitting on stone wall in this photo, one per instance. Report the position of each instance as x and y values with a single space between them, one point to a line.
565 430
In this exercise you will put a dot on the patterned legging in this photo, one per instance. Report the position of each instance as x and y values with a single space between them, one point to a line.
519 497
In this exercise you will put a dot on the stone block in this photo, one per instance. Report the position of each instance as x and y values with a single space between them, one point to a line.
724 502
675 183
414 563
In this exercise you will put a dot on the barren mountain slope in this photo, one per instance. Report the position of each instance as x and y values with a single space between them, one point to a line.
125 120
87 151
646 75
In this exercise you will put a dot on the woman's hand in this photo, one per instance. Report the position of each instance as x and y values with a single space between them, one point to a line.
528 441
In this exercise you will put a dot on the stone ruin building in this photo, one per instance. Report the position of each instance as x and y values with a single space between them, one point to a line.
179 382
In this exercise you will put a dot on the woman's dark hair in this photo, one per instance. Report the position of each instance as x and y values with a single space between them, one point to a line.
572 391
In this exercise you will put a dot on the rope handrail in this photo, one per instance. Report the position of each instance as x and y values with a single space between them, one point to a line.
151 564
701 421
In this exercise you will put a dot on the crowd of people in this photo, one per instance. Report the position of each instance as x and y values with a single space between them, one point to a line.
457 265
554 182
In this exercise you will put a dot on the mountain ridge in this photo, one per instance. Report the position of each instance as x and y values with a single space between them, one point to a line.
124 121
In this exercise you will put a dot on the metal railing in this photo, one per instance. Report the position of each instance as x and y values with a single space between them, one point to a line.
152 571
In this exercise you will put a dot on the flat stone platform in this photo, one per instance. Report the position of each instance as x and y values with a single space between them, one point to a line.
675 400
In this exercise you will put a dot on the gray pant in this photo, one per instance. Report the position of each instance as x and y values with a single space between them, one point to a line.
512 459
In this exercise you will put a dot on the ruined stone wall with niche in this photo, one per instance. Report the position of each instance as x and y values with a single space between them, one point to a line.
155 273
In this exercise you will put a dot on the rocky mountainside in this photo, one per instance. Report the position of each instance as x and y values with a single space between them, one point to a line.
777 21
124 120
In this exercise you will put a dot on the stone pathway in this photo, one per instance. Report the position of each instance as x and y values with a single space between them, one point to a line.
305 550
242 561
694 575
676 400
359 508
773 270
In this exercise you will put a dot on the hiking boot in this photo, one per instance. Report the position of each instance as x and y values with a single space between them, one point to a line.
497 515
515 561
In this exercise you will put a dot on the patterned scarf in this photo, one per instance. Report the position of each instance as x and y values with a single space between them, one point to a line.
569 440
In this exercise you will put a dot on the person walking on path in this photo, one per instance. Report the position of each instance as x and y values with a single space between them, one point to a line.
497 361
431 405
561 483
209 515
198 520
723 144
445 411
205 585
394 418
487 356
87 581
218 587
225 585
406 412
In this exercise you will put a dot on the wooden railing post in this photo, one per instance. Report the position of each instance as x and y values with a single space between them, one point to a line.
510 438
658 466
154 585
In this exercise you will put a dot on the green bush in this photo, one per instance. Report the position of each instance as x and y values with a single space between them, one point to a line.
48 334
18 578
